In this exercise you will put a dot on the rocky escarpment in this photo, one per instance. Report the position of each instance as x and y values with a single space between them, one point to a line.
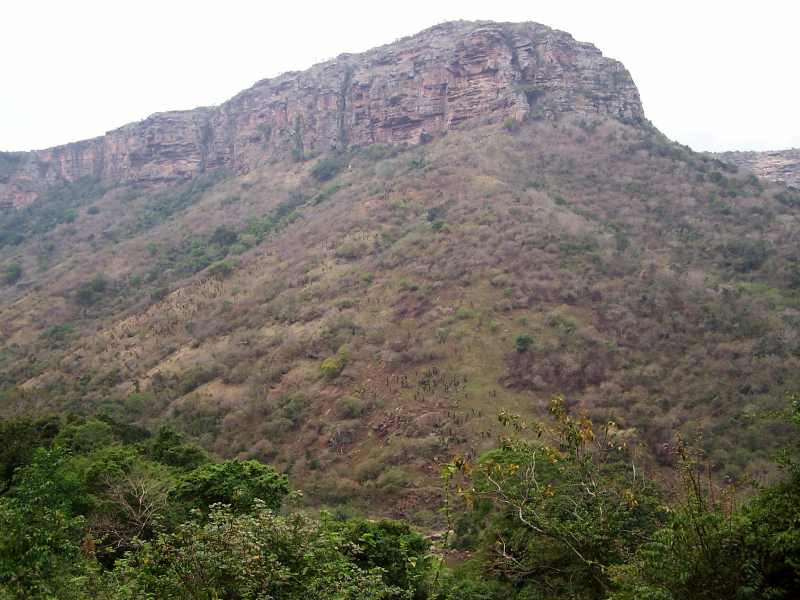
399 93
782 166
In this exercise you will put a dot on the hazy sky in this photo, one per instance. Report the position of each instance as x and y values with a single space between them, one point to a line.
713 74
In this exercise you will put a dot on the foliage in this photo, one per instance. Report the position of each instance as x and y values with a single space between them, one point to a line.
523 342
561 514
39 532
12 273
745 255
257 555
329 167
393 547
171 447
333 366
235 483
91 292
220 270
709 549
21 437
511 124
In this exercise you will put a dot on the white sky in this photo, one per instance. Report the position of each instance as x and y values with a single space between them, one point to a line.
713 74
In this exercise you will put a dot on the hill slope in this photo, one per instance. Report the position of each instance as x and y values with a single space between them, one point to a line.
360 315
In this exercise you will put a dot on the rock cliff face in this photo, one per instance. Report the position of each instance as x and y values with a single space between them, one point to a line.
782 166
424 84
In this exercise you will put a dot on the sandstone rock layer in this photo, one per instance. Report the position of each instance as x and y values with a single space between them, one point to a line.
782 166
398 93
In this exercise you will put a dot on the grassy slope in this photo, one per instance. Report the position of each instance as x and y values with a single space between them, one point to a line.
656 286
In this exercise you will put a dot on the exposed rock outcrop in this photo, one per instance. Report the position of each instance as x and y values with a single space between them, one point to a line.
424 84
782 166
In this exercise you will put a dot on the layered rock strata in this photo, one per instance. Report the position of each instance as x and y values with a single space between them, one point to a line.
399 93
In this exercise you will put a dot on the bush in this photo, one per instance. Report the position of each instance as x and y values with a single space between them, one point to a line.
392 546
220 270
332 367
12 273
261 555
743 256
92 291
328 168
236 483
511 124
351 408
523 342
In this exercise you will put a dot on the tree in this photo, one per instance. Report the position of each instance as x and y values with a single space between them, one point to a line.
40 534
20 438
170 447
258 555
233 482
560 514
709 550
392 546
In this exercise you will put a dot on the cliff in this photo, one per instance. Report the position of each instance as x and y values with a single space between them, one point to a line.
398 93
782 166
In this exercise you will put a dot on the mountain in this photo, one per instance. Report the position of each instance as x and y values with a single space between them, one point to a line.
419 86
347 272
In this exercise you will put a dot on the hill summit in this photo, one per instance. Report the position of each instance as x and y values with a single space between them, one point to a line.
399 93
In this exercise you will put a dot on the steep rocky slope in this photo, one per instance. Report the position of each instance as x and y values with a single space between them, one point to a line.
782 166
358 315
422 85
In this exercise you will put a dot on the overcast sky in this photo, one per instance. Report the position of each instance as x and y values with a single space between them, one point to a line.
713 74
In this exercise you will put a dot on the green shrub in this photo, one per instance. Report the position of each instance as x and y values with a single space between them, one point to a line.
57 334
332 367
523 342
92 291
329 167
394 547
12 273
745 255
351 407
159 294
233 482
511 124
220 270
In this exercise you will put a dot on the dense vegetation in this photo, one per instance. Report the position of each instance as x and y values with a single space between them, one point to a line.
92 508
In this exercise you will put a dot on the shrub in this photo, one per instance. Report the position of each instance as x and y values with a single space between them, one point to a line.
57 334
92 291
261 555
159 294
744 255
351 408
523 342
328 168
236 483
12 273
220 270
392 546
511 124
332 367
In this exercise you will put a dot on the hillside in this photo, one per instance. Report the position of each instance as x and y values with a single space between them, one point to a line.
782 166
502 226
